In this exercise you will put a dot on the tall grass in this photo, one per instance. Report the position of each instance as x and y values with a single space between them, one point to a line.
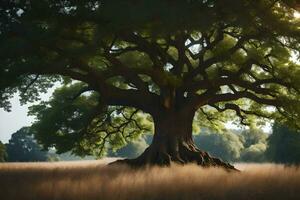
94 180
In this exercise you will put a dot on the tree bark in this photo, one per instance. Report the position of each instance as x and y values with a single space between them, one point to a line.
173 142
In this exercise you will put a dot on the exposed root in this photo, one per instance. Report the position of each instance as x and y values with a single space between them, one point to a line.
185 155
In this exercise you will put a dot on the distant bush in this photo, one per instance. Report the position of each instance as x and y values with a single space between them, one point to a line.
3 154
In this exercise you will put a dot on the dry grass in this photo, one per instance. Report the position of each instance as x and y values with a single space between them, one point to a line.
94 180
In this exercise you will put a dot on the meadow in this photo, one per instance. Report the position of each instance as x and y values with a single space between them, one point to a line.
95 180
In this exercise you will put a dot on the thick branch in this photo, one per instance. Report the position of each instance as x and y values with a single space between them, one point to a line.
128 73
158 55
244 94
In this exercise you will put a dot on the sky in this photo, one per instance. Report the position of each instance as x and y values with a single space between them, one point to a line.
12 121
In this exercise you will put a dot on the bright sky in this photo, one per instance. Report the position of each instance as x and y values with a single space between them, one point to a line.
12 121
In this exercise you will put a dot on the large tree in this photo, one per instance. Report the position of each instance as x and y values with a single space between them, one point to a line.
177 61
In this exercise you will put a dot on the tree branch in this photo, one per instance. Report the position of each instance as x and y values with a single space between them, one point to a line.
244 94
30 84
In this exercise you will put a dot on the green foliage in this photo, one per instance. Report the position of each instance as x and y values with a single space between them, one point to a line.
3 154
235 146
284 145
255 144
252 137
81 124
62 119
254 153
225 145
117 60
23 148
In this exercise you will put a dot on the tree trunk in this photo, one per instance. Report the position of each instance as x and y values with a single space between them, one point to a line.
173 142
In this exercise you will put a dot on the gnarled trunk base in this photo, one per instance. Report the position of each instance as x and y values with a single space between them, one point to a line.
186 154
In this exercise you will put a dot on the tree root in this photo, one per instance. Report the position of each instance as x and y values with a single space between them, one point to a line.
185 155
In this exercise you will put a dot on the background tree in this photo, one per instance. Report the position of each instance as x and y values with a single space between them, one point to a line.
23 148
177 61
3 154
132 149
283 145
226 145
255 145
234 145
254 153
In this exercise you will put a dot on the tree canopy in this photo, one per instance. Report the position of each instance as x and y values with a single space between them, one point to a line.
118 59
23 148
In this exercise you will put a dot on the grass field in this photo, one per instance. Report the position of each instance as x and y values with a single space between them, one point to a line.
90 180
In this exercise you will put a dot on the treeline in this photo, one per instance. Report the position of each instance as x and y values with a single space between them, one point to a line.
282 146
22 147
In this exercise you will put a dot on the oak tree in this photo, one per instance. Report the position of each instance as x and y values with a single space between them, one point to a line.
177 61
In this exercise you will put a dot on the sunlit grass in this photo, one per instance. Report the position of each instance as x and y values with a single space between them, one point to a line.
94 180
